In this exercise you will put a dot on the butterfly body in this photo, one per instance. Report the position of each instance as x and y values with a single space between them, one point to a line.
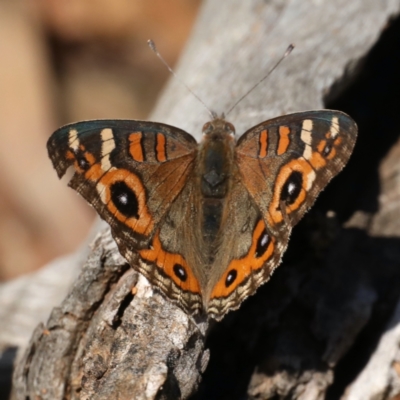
206 223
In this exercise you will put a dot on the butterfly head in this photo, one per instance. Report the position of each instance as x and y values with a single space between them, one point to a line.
218 126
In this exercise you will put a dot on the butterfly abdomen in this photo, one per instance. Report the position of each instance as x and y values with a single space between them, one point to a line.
215 164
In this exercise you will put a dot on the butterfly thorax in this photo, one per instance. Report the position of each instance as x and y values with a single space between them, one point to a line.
214 167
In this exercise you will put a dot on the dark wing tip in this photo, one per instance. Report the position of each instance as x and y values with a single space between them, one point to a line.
56 147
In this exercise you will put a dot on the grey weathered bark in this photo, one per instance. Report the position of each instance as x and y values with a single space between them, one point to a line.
114 337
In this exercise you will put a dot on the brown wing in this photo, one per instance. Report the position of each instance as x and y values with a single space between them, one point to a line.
175 257
283 164
286 162
246 255
131 172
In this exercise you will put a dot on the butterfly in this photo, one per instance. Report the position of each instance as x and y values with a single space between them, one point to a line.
205 223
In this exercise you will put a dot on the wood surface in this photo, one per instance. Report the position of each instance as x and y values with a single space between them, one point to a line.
325 326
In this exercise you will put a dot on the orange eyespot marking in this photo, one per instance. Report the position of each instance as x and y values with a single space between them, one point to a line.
332 154
161 154
125 197
328 135
293 182
90 158
326 151
94 173
317 161
261 250
263 144
321 146
69 155
83 160
284 140
173 265
135 146
337 141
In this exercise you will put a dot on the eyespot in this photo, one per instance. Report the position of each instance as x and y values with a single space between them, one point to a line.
327 150
230 278
124 199
180 272
82 161
292 187
80 156
262 244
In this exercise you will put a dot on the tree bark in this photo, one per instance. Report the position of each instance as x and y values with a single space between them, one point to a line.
313 328
112 335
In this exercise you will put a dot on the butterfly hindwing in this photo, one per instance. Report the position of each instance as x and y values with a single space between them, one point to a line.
246 255
174 257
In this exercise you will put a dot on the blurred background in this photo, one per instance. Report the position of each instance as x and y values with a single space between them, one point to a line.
64 61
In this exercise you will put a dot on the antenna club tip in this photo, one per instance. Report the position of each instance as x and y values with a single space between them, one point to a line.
289 49
152 45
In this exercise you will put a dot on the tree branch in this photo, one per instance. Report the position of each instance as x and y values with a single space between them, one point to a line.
116 336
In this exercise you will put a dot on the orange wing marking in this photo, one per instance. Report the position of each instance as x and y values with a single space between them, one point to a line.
308 176
321 146
317 161
144 223
135 146
333 151
161 153
284 140
263 144
173 265
240 269
104 181
82 159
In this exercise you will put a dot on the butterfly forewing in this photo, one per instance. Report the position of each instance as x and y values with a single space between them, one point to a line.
290 159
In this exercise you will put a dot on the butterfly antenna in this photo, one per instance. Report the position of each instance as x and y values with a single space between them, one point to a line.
153 47
287 52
